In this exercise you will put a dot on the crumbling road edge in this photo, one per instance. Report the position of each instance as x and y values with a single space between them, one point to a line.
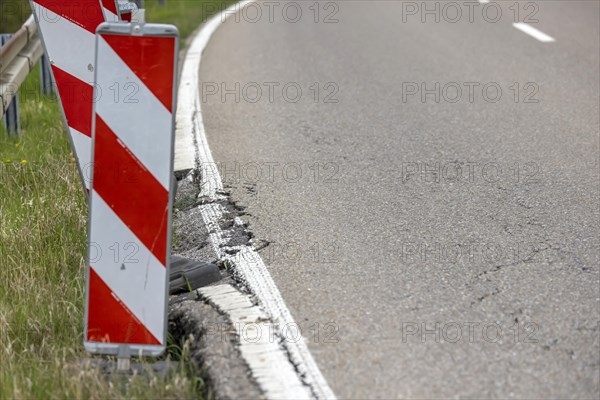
192 151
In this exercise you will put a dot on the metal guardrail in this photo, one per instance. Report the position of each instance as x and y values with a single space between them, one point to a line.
18 56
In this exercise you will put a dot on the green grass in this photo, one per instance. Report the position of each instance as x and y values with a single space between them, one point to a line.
12 14
194 11
43 214
42 246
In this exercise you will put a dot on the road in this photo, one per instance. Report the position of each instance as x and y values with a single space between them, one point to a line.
437 244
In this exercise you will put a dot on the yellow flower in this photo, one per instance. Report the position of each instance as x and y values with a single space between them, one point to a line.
23 161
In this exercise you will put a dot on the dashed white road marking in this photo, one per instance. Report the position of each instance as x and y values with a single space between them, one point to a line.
191 150
531 31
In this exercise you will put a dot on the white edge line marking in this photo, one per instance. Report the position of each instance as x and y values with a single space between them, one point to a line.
531 31
258 346
190 136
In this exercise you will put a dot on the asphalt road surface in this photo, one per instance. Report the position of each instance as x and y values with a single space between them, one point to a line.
429 203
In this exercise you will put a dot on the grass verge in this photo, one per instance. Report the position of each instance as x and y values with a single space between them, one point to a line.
43 214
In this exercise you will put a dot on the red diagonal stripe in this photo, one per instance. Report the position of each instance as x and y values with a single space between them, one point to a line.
110 5
130 190
141 55
85 13
109 319
76 97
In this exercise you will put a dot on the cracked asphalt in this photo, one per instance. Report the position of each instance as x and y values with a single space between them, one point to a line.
430 244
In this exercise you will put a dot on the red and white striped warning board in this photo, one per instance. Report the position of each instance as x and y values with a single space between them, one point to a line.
130 194
68 29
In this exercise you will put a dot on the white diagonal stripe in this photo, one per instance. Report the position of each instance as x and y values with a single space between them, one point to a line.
141 284
109 16
69 46
83 151
134 114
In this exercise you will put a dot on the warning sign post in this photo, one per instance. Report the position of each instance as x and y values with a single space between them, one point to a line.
131 189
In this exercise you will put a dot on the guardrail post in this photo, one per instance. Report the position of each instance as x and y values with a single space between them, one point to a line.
11 116
46 77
